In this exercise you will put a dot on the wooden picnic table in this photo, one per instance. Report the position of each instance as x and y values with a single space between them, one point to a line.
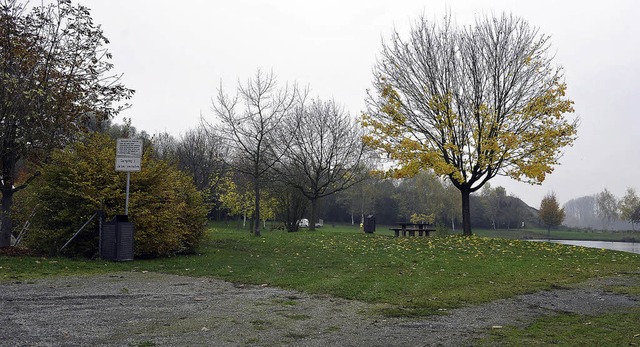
408 228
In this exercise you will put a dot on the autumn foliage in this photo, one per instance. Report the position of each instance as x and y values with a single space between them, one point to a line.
168 212
470 103
550 212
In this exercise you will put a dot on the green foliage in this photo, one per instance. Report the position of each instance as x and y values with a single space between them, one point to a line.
630 207
422 218
239 199
607 207
168 213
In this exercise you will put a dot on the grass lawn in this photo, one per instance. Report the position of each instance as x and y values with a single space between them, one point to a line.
613 329
403 276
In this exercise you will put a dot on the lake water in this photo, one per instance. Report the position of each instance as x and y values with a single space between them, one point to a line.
632 247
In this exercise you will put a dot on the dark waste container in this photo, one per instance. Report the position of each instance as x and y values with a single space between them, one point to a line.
116 239
369 224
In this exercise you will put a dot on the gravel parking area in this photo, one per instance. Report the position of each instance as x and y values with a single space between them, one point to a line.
152 309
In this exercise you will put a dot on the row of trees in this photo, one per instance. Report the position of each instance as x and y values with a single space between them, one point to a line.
604 210
285 197
395 200
273 146
468 103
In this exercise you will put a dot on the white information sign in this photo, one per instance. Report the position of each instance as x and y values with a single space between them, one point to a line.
128 154
128 159
129 148
128 164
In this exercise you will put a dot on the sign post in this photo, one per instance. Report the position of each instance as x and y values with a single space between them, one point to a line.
128 159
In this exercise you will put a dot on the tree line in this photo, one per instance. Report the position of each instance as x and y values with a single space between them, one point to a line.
269 150
604 211
463 103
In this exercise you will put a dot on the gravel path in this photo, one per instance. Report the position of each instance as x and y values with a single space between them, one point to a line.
151 309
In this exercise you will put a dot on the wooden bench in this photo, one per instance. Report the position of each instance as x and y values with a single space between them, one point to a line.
410 229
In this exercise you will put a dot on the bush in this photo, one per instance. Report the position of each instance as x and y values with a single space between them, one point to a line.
168 212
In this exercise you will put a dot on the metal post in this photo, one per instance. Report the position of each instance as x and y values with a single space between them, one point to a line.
78 232
126 204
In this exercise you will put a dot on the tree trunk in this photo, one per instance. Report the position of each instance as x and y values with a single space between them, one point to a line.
314 211
466 211
7 222
244 219
8 168
256 189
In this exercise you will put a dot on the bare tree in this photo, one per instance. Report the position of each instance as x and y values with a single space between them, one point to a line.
326 154
203 153
470 103
250 121
54 83
165 146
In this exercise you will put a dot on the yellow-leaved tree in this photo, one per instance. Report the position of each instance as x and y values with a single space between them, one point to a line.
238 199
470 103
550 212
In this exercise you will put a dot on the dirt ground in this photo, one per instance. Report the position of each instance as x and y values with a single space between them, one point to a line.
152 309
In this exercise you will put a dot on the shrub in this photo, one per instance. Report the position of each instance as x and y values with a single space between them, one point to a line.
168 212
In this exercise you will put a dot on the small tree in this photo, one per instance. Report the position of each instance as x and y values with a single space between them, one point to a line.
237 198
291 205
550 212
250 122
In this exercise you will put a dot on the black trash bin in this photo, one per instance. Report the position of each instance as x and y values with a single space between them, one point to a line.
369 224
116 239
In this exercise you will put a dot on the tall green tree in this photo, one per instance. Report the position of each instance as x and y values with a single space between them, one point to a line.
630 207
470 103
55 80
607 207
550 212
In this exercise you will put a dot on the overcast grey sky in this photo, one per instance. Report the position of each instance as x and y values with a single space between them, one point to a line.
176 54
